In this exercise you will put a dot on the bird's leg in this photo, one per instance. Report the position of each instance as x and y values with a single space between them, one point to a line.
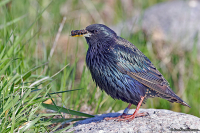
126 110
124 116
121 116
135 114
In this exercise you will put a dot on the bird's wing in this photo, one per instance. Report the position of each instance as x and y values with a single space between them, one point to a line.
131 61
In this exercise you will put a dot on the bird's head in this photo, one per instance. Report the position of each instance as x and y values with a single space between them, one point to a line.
95 33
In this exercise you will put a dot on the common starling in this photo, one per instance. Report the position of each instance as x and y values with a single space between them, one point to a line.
120 69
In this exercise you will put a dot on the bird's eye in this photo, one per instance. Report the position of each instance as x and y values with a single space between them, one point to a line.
95 31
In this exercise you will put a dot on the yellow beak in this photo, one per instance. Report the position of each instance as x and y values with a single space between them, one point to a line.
80 33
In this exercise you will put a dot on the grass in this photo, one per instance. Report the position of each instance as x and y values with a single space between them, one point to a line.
29 77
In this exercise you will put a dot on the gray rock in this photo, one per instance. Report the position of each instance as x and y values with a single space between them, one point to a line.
159 120
176 23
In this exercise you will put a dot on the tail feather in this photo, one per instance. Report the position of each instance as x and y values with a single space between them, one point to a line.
169 95
173 99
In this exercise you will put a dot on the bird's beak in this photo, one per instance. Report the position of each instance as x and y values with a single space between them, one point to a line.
79 33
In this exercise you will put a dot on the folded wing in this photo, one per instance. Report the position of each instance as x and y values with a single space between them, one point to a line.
133 62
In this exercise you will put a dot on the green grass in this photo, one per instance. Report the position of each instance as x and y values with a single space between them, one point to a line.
27 33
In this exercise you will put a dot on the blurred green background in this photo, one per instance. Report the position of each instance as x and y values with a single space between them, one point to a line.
31 46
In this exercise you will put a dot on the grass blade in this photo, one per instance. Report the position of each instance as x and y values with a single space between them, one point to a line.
64 110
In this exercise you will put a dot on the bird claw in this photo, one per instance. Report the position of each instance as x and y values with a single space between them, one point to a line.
125 117
115 118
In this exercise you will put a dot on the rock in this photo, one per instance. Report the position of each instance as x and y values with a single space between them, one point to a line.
175 23
159 120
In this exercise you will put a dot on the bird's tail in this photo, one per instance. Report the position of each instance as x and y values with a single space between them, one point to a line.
173 98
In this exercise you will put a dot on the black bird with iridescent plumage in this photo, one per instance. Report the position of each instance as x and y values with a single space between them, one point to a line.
122 70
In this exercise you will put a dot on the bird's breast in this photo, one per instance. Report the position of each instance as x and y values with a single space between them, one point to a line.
101 63
104 71
99 57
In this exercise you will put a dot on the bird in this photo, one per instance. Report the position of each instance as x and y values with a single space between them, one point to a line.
121 70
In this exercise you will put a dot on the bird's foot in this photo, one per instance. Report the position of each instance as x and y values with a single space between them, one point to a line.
131 117
125 117
115 118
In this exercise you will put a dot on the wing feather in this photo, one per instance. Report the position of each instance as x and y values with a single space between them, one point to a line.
135 64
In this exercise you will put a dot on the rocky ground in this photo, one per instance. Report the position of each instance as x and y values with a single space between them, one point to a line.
158 120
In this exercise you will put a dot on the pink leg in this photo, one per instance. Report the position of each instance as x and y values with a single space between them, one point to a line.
121 116
124 116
